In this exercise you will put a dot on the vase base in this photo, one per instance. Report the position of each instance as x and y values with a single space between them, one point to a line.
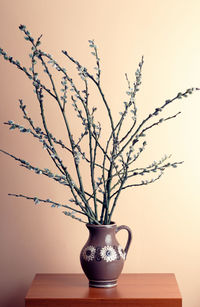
102 283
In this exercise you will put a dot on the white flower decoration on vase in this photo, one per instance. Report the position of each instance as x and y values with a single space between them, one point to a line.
108 253
121 252
89 253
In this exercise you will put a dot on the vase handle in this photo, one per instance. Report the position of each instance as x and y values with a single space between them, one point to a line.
129 236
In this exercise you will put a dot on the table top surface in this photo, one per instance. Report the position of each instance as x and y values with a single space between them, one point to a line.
75 286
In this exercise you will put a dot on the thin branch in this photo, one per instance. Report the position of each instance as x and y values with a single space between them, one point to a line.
81 194
98 86
49 201
138 184
53 205
155 113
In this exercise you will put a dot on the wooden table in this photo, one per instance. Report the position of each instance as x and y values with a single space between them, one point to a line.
133 290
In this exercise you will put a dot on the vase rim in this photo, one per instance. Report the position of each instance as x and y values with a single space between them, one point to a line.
112 224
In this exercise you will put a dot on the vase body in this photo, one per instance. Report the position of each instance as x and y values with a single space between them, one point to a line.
102 258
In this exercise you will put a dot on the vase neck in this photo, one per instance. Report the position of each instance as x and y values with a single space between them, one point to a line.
101 231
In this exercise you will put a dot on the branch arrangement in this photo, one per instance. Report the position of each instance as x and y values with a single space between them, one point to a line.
110 161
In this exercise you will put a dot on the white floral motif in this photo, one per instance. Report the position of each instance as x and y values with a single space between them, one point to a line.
108 253
89 253
121 252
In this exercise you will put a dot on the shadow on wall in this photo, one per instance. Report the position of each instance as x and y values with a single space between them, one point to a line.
15 297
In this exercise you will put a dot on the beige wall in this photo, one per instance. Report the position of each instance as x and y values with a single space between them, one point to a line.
164 216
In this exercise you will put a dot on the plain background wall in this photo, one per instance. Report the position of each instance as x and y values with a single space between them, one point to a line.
164 216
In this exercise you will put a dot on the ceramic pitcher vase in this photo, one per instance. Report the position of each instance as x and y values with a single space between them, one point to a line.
102 257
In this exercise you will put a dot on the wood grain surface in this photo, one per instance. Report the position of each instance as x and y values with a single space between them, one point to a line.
133 290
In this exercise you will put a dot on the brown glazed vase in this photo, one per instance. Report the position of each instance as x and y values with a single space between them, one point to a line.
102 258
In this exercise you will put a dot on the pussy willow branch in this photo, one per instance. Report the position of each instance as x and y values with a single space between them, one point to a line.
138 184
67 125
82 195
92 155
46 201
93 166
39 136
155 113
39 95
109 214
97 60
53 204
84 120
132 93
109 178
122 182
141 134
24 69
97 84
120 122
179 95
91 158
153 168
44 172
74 88
63 114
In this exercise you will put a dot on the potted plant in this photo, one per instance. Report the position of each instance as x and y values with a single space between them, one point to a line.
110 161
